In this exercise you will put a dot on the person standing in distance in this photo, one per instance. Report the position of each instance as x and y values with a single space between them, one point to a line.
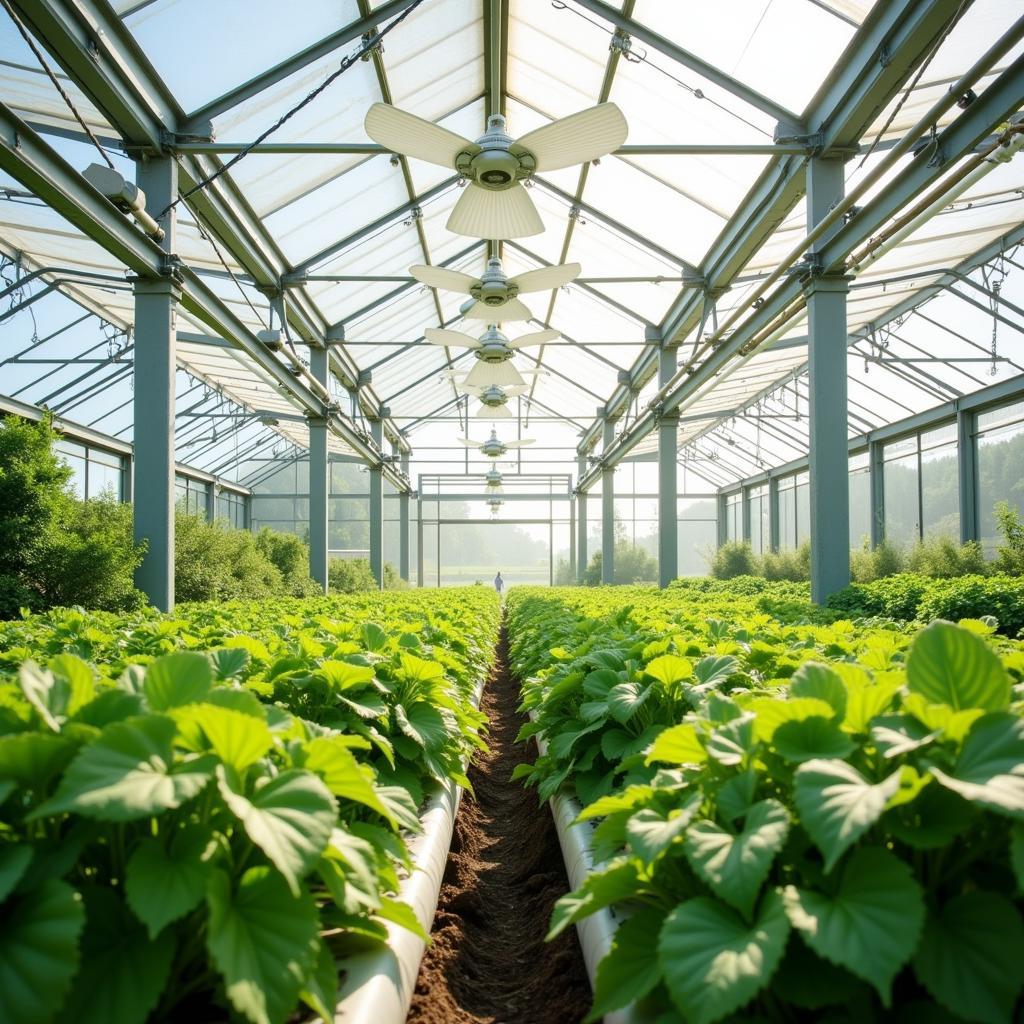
499 583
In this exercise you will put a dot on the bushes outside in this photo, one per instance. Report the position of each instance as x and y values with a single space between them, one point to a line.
290 555
353 576
632 565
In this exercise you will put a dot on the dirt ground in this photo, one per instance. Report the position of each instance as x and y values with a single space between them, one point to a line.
488 963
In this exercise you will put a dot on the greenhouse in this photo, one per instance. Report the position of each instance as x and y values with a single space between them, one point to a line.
511 511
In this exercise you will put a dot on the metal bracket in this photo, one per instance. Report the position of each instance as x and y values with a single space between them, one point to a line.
621 42
372 41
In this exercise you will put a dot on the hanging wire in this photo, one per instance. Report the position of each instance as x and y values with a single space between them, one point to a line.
370 43
30 42
994 278
207 234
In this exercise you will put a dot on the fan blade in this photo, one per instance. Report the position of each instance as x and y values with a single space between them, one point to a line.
578 138
520 444
547 277
493 412
469 389
514 390
439 336
485 374
405 133
510 312
481 213
537 338
438 277
468 442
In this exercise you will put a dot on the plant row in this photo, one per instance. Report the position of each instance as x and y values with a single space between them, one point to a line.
793 818
202 814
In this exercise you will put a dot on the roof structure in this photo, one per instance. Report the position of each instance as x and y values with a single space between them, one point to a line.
693 236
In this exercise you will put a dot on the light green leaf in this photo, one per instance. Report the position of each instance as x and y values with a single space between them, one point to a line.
14 859
812 738
331 759
184 677
990 769
52 696
613 882
349 870
128 773
289 818
630 969
714 670
123 973
865 699
871 924
374 638
629 799
403 915
954 725
678 745
38 951
732 743
31 759
625 699
713 961
263 941
419 670
951 665
838 805
162 885
342 675
813 679
895 735
422 723
735 866
650 832
971 957
771 712
228 662
669 669
238 739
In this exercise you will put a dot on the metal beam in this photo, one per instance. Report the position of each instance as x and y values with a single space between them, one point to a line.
319 480
668 529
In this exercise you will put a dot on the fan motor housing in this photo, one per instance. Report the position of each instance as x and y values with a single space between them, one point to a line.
493 397
493 293
493 347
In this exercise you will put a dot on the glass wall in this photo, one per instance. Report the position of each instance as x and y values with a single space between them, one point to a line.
794 510
95 471
760 531
860 499
919 480
999 435
734 516
697 533
191 495
232 507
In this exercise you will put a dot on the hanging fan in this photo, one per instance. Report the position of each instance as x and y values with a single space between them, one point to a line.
494 294
492 447
494 204
494 399
493 351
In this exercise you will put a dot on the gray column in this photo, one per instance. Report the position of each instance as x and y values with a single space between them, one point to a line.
773 513
403 525
319 478
211 501
608 510
377 509
668 487
827 419
581 522
745 513
722 531
967 473
420 573
154 373
876 480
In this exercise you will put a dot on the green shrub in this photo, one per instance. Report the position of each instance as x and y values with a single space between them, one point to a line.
632 565
350 575
734 558
869 563
290 555
944 558
1009 554
972 597
895 597
793 564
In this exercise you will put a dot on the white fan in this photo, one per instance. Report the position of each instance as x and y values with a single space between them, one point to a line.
493 351
492 447
494 399
494 204
494 294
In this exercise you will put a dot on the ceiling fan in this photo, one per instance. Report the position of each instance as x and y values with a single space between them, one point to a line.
494 204
494 294
493 351
494 399
492 447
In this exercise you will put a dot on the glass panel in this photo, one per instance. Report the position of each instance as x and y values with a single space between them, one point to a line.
1000 476
902 512
860 503
940 491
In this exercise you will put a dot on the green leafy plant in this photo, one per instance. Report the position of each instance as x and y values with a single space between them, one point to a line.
1010 553
733 558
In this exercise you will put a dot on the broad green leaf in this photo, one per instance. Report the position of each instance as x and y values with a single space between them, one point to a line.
735 796
650 832
932 819
629 799
871 924
865 699
320 989
807 981
419 670
625 699
238 739
771 712
954 725
669 669
612 883
630 969
162 885
732 743
950 665
422 723
174 680
108 706
349 870
677 745
263 940
289 817
813 679
403 915
331 759
714 670
128 773
713 961
38 951
31 759
971 957
342 675
228 662
895 735
123 972
79 678
838 805
14 859
374 637
990 769
736 865
51 695
812 738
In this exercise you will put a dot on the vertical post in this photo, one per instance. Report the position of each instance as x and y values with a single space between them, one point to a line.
211 501
876 480
668 487
319 478
608 509
828 417
967 474
745 513
774 538
403 524
420 572
154 377
581 522
377 506
722 521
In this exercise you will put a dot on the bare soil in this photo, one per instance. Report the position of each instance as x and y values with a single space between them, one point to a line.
489 963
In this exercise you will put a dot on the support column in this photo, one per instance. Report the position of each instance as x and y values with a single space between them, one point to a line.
377 508
828 418
668 487
722 526
774 533
420 573
608 510
403 524
319 479
581 522
876 479
154 377
967 474
211 501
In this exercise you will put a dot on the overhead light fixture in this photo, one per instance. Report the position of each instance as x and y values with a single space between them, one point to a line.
125 195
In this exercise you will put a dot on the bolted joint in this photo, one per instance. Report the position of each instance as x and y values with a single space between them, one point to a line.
620 42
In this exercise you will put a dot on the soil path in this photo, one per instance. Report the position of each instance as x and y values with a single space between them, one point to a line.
489 963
